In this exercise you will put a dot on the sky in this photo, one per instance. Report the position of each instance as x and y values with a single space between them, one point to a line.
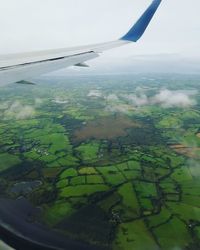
173 35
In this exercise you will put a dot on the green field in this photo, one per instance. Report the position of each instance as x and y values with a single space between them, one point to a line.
114 173
8 161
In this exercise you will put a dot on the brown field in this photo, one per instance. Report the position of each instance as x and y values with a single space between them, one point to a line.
192 152
51 172
106 128
198 135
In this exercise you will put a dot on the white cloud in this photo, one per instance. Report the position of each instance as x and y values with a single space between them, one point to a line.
166 98
138 100
112 97
4 105
120 108
38 101
194 166
94 93
60 100
19 111
169 99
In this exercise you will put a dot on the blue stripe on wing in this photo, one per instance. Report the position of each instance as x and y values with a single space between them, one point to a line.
140 26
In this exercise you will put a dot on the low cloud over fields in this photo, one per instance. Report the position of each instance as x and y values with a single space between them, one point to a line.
18 111
169 98
166 98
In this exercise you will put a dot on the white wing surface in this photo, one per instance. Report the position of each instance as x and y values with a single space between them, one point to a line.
18 67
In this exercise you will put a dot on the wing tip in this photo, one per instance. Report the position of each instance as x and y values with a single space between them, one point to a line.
138 29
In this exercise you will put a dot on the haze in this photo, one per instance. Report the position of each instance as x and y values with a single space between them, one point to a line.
173 35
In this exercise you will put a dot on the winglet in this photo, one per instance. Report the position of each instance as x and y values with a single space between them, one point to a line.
141 25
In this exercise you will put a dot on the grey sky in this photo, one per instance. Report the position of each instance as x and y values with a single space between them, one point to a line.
44 24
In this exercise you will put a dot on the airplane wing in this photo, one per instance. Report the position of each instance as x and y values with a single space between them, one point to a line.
18 67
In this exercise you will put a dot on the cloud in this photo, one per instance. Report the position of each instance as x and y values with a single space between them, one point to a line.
19 111
38 101
94 93
170 99
112 97
165 98
138 100
60 100
120 108
4 105
194 168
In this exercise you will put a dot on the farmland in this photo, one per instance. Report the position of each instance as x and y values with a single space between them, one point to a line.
113 169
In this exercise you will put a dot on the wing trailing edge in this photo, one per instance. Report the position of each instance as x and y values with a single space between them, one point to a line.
23 66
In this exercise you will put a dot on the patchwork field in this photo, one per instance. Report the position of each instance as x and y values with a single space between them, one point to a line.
108 164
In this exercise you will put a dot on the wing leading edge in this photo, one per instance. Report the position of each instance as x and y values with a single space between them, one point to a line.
17 67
